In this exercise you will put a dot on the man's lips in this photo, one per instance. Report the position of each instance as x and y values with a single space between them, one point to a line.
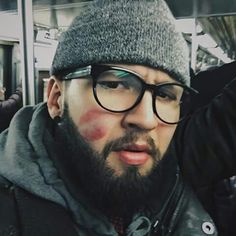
134 154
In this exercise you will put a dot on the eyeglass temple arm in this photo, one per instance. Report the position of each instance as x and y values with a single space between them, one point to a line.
81 72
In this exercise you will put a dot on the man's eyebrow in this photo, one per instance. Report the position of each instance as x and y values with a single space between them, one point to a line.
159 80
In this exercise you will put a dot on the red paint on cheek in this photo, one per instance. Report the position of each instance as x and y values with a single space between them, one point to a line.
93 133
90 116
93 125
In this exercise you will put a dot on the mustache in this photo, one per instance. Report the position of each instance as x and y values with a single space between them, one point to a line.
131 137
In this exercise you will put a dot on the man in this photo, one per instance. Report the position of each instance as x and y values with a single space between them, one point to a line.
98 159
9 106
218 198
204 80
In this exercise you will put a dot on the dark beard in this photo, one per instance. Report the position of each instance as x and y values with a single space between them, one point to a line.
87 173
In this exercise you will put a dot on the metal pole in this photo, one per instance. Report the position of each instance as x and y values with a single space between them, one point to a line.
25 12
194 45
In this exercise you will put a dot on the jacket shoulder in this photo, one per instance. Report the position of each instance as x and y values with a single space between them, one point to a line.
43 217
192 217
8 213
23 213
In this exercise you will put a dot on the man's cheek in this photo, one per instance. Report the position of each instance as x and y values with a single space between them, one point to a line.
93 132
92 126
91 116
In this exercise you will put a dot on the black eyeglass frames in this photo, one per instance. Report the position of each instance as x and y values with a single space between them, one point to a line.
119 90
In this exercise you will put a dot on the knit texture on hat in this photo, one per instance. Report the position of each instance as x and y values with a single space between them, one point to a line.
124 31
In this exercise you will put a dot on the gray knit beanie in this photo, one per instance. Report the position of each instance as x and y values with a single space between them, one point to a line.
126 32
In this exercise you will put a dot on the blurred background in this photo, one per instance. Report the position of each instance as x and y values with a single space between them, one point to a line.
30 29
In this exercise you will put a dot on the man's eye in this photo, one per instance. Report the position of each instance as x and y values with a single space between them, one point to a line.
113 84
165 96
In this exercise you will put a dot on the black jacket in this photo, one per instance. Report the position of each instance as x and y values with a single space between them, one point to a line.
24 214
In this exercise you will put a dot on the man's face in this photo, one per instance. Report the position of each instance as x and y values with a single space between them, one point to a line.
135 140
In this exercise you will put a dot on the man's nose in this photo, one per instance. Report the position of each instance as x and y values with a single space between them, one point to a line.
142 116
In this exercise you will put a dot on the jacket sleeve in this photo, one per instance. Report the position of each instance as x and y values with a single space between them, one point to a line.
206 142
9 107
12 104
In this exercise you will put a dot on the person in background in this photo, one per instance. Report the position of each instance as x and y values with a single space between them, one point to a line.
219 198
209 83
2 93
99 157
9 106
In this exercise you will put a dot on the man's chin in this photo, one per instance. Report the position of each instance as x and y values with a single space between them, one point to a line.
123 192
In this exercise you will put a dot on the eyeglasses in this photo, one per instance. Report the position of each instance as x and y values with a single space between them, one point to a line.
120 90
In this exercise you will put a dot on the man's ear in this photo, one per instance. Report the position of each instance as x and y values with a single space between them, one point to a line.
54 94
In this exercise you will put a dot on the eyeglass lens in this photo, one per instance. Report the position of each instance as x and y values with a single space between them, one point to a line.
119 91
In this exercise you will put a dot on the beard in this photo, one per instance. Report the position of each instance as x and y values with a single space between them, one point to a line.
86 172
